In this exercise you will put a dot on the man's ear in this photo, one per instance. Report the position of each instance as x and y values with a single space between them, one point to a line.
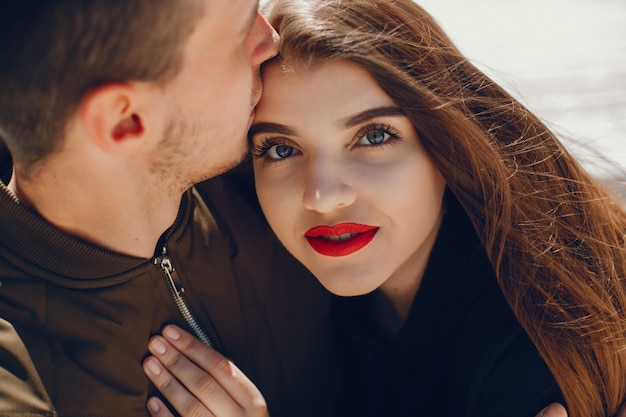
113 117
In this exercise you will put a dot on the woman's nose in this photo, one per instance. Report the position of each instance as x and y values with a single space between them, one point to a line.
327 188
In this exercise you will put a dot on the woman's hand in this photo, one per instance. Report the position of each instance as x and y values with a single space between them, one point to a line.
197 380
553 410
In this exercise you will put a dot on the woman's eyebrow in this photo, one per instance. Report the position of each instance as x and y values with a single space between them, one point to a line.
371 114
270 128
267 127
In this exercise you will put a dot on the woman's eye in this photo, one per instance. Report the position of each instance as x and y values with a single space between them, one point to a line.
374 137
280 152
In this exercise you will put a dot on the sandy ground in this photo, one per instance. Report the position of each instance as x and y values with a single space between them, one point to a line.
564 59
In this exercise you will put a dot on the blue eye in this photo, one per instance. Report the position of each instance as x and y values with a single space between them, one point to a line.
375 136
280 152
271 150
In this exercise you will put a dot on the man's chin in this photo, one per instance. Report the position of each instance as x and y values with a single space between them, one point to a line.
243 160
240 163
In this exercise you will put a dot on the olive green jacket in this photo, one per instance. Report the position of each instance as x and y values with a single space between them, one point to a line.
75 319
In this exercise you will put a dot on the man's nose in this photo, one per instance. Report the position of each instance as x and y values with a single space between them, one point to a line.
263 41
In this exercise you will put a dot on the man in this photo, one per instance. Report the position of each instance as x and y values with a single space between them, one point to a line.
111 111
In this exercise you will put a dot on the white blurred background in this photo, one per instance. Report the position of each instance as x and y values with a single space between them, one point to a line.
564 59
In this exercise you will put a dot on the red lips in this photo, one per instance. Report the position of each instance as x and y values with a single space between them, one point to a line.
340 240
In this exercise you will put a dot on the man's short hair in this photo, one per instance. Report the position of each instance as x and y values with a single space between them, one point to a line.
52 52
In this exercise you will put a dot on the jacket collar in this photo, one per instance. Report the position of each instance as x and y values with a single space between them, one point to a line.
30 242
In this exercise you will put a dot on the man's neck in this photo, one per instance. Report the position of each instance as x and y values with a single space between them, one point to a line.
114 211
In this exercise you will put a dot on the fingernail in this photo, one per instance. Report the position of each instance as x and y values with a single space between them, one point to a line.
171 332
157 347
154 367
153 405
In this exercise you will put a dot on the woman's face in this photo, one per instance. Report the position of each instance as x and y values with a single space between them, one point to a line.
343 179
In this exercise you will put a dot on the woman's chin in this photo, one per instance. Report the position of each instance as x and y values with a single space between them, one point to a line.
348 289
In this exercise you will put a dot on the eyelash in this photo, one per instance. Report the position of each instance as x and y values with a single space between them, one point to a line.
386 128
260 151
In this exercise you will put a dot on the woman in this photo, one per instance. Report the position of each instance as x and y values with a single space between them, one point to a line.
400 174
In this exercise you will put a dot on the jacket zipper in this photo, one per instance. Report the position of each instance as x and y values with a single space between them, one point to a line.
165 262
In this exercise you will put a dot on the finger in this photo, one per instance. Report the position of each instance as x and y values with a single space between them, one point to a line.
235 382
205 389
553 410
185 402
156 408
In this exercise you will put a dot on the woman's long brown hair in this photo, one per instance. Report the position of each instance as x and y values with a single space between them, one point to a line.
554 235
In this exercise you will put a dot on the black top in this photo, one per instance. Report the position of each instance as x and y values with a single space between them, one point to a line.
461 351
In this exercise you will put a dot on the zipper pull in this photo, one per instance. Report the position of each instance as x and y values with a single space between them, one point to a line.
177 291
168 268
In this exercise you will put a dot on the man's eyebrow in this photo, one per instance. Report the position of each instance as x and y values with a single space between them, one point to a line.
371 114
270 128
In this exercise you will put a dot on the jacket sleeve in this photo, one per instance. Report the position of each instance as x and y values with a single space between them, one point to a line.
21 390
